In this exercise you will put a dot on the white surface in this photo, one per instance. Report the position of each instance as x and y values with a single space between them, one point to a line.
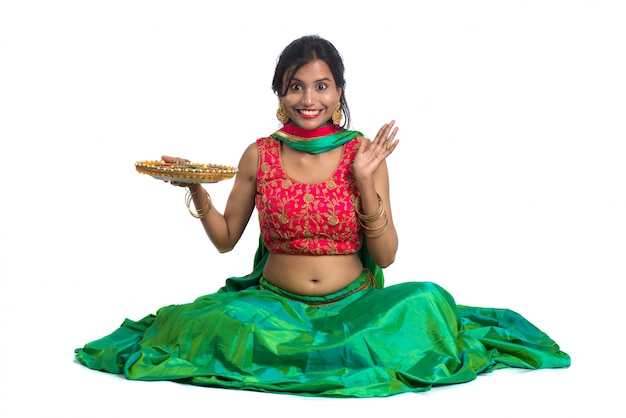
508 184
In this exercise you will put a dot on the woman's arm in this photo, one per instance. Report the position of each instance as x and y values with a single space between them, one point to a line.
225 229
372 180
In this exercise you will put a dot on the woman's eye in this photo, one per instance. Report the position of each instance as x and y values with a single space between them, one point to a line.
296 87
322 86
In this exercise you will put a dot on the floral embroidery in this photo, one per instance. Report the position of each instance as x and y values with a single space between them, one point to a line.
301 218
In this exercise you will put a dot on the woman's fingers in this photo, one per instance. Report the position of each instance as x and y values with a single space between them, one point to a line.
386 137
383 132
173 160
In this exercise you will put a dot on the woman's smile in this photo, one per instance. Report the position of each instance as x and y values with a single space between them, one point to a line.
309 113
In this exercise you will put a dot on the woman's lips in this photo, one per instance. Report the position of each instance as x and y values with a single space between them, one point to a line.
309 114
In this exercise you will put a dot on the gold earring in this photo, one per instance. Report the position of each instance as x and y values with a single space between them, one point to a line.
337 115
281 115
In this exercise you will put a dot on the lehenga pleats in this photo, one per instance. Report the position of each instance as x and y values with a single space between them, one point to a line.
111 353
511 339
373 342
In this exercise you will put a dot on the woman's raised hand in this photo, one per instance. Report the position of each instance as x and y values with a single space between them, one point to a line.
372 153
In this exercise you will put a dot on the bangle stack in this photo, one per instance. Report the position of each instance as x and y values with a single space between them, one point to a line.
365 219
203 211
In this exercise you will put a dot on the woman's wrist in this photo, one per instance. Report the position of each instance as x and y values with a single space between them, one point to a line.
202 207
193 188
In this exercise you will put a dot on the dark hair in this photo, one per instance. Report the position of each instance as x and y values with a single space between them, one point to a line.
303 51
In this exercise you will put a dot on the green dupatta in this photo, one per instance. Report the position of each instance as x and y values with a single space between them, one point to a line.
314 141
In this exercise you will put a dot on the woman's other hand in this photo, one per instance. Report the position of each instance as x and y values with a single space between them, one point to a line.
174 160
372 153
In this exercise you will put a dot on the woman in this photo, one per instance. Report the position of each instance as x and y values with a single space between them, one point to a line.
313 317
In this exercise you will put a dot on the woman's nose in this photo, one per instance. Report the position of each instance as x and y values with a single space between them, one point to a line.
307 97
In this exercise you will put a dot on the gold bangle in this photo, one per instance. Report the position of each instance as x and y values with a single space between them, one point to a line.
202 212
376 228
378 234
369 232
198 187
369 218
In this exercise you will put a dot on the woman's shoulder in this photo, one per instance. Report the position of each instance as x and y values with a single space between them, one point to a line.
353 145
259 148
250 156
267 146
266 141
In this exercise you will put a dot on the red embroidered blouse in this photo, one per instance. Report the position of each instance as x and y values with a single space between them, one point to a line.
301 218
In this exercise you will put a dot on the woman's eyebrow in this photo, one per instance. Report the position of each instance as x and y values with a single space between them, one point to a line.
316 81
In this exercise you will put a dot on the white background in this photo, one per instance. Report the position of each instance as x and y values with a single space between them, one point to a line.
508 184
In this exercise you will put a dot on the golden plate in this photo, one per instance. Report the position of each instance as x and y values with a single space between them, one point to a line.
186 172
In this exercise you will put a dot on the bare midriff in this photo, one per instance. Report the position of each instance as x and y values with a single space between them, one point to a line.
312 275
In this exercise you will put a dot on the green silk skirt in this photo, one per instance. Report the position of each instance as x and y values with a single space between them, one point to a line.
362 341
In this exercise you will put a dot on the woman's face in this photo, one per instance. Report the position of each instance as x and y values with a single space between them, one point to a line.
312 96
